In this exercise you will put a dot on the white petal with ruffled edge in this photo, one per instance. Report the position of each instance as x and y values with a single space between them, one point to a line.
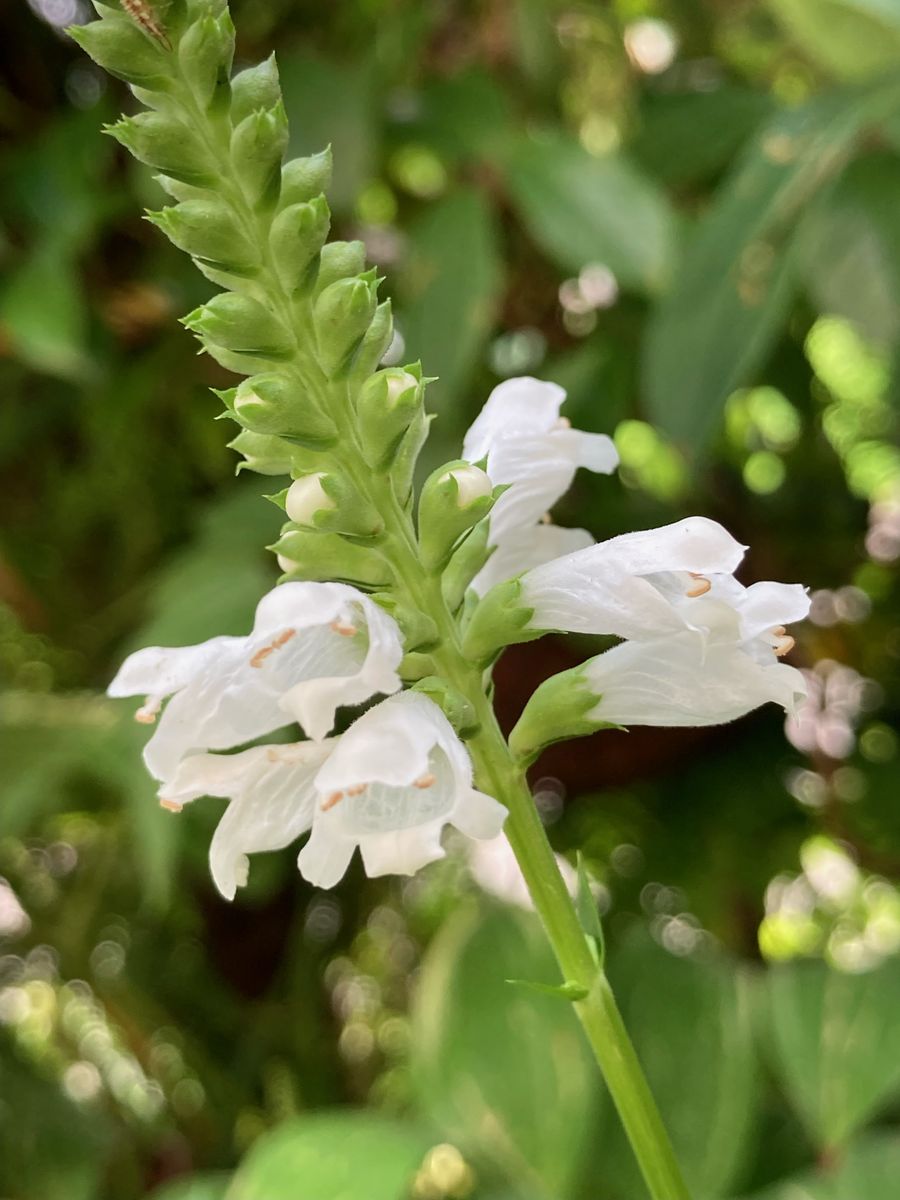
625 586
396 778
675 681
314 647
272 797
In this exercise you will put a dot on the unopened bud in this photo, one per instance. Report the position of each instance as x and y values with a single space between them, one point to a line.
262 453
342 315
207 229
205 54
257 148
306 497
254 88
118 46
388 401
298 234
453 499
471 484
274 404
304 178
166 144
241 325
324 557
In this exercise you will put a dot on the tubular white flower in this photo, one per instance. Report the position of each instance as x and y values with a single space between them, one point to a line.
669 682
273 798
530 447
523 549
639 585
314 647
395 779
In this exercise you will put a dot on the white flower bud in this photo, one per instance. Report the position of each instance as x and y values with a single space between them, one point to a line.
399 382
306 497
472 484
286 564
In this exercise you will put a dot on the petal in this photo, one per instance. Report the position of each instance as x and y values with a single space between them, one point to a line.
668 683
478 815
526 548
523 405
325 858
161 670
695 544
401 853
766 605
594 451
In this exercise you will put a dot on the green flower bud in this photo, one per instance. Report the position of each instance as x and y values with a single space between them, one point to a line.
337 261
119 46
320 500
273 404
255 88
374 345
456 708
341 316
498 619
385 408
415 666
454 498
205 54
207 229
465 563
263 453
559 709
257 148
305 178
323 557
297 236
240 325
165 143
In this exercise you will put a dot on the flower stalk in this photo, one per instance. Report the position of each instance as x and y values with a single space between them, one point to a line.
380 590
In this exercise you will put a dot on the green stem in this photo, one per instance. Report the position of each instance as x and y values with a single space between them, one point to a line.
497 772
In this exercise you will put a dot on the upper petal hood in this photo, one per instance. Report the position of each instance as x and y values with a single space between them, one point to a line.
517 407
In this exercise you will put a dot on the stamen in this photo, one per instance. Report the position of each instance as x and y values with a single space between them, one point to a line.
700 588
562 423
261 655
779 631
174 806
424 781
344 628
331 801
357 789
546 519
147 713
784 645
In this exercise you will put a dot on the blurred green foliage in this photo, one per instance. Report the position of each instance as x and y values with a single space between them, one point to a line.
685 212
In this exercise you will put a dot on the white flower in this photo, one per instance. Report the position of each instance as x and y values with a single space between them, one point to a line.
530 447
314 647
723 666
388 785
495 869
396 778
523 549
639 585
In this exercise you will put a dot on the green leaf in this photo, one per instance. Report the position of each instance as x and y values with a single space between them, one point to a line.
582 209
207 1186
853 39
562 991
449 291
335 1155
503 1072
869 1171
691 1024
733 289
43 314
836 1044
849 249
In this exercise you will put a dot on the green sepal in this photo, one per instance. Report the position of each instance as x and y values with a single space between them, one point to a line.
163 142
240 325
570 990
119 46
350 514
443 514
338 260
324 557
419 630
588 914
257 148
415 666
559 709
466 561
403 467
179 190
253 89
454 705
298 234
205 56
341 315
304 178
499 619
388 402
272 403
263 453
206 228
374 345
